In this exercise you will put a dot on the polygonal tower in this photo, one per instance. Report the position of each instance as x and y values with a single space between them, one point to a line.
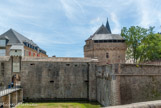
108 48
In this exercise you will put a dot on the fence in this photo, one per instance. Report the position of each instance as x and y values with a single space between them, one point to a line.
6 90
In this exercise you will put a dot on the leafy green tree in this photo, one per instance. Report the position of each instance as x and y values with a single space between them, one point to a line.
143 44
150 49
133 37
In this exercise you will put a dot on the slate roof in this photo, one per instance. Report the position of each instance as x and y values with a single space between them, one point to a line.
102 30
16 38
16 47
104 33
108 26
107 37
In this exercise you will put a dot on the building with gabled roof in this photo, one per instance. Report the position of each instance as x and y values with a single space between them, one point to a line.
108 48
12 39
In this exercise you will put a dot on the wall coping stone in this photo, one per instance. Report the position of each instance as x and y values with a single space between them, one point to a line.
59 59
148 104
4 58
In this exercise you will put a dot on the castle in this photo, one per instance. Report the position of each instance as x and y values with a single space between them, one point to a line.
108 48
101 76
12 42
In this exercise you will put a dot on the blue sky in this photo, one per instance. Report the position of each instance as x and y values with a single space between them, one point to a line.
61 26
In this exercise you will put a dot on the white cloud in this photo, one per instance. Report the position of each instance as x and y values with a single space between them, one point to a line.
148 12
95 24
47 39
117 27
144 9
72 9
95 20
41 18
69 11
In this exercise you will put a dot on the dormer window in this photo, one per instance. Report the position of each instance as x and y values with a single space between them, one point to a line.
25 43
2 43
2 52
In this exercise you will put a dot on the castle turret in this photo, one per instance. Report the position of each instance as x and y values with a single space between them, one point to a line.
108 26
108 48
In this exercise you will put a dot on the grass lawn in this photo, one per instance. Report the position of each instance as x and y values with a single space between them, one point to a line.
59 105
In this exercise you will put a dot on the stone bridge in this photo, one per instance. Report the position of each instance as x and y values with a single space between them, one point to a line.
11 97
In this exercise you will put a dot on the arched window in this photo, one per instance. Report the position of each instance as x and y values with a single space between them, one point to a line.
16 80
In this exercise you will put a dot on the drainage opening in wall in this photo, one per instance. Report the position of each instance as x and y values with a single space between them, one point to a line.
67 64
51 81
86 81
32 64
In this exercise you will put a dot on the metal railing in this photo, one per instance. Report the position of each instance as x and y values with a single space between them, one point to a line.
4 90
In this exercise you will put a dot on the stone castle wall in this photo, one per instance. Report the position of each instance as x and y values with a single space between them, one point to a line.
58 79
52 78
140 83
82 79
128 83
5 71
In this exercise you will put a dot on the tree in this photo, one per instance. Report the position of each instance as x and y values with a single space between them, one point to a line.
143 44
150 48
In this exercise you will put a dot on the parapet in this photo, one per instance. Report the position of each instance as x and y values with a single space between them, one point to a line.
4 58
59 59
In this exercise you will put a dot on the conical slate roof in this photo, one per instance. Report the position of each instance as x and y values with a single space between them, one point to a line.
108 26
102 30
104 33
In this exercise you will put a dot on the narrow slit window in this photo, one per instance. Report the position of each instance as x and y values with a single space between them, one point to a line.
51 81
32 64
107 55
67 64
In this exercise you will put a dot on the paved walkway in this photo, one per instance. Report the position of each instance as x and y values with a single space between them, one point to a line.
148 104
8 91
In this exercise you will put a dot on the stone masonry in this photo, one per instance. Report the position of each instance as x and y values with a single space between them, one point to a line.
50 79
128 83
